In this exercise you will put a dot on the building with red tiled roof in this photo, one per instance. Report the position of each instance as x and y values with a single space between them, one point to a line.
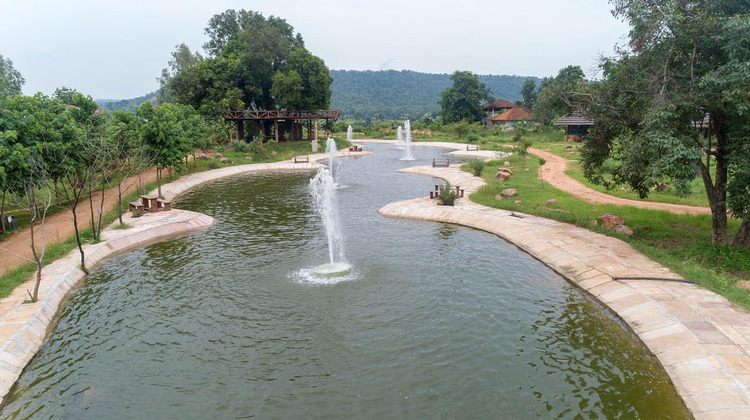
502 112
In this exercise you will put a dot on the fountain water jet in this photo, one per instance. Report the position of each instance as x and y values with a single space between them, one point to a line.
400 138
333 152
349 133
407 134
323 191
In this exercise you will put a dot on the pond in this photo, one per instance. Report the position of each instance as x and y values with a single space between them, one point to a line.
434 320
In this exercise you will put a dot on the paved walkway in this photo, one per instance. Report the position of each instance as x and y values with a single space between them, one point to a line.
702 341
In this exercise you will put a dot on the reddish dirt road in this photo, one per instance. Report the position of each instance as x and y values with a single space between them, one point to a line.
553 172
59 227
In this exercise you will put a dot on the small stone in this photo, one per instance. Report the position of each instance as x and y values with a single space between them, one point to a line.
515 170
550 202
743 284
506 164
527 169
201 156
498 197
219 156
274 153
518 202
509 192
502 174
610 220
224 160
624 229
594 222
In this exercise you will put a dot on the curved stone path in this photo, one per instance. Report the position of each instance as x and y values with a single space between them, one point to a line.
701 340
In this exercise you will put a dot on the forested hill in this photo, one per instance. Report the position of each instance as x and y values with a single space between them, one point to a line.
388 93
393 93
126 104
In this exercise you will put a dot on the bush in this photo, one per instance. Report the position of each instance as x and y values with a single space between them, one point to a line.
238 146
446 195
477 165
472 137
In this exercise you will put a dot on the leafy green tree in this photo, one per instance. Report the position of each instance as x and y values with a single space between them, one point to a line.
306 84
554 97
11 80
675 106
464 99
126 151
529 93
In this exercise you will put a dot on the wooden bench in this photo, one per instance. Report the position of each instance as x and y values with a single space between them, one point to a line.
149 202
435 193
163 204
302 159
136 207
441 162
472 147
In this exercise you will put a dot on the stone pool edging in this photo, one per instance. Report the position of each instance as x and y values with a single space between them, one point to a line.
25 327
701 340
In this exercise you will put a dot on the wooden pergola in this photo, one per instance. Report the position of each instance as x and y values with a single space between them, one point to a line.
292 121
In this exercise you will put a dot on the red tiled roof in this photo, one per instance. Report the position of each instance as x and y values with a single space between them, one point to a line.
500 103
517 113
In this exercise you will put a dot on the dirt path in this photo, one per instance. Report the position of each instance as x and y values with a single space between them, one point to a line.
59 227
554 172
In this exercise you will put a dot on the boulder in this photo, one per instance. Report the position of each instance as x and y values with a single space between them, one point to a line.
610 220
624 229
274 153
219 156
502 174
509 192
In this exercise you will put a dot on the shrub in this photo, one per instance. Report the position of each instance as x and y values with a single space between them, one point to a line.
446 195
477 165
239 146
472 137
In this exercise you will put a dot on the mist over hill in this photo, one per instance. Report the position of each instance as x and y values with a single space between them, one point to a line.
388 94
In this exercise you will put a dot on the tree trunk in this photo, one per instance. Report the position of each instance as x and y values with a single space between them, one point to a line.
78 237
91 206
57 192
2 214
716 190
158 181
743 235
100 211
119 194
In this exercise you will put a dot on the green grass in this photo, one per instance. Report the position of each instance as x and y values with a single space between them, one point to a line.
680 242
284 151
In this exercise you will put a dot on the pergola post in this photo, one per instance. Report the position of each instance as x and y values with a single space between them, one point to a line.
315 123
276 130
240 130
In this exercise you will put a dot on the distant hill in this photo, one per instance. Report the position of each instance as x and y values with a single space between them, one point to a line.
387 93
392 93
126 104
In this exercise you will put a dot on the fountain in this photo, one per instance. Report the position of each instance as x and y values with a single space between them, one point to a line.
400 138
407 134
333 152
323 190
349 133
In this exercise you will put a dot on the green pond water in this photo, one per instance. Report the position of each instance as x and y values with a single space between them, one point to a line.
434 321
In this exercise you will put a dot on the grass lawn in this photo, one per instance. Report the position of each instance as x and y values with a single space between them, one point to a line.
680 242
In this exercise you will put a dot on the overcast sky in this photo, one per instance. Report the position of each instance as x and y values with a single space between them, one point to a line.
116 49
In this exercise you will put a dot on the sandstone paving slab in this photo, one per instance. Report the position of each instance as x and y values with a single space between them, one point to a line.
702 341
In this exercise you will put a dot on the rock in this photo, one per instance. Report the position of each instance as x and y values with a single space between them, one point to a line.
569 147
550 202
201 156
594 222
498 197
219 156
509 192
527 169
224 160
743 284
502 174
506 164
274 153
515 170
610 220
518 202
624 229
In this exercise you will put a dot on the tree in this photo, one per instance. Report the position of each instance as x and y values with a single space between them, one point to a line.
464 99
11 80
252 62
529 93
553 98
675 106
123 141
